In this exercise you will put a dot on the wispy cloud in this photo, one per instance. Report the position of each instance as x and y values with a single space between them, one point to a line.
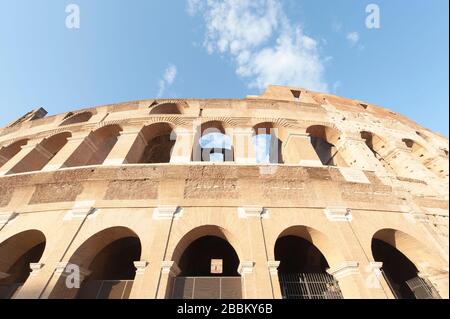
167 80
353 38
265 46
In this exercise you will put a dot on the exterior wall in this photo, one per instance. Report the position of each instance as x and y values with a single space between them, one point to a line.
339 209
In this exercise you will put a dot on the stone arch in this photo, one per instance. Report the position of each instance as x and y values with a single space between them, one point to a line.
39 156
96 147
76 118
377 146
272 137
220 142
305 255
208 265
106 263
8 152
154 145
16 254
326 246
404 258
167 108
324 140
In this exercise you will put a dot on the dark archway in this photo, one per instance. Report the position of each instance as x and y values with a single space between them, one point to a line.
302 271
16 254
323 140
208 270
107 261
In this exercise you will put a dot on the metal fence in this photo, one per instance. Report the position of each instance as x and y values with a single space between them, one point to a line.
309 286
422 288
105 289
207 288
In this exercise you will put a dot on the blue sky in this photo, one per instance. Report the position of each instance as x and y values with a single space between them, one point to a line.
130 50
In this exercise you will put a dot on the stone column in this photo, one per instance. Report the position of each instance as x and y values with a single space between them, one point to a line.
248 278
348 276
129 148
141 268
182 150
376 282
26 150
273 270
404 164
244 147
77 145
298 150
169 271
153 283
357 154
257 283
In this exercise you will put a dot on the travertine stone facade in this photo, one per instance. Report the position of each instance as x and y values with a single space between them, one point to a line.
341 174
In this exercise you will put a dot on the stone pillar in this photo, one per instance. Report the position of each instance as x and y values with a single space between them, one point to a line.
298 150
73 143
153 283
244 147
273 270
376 282
169 271
357 154
404 164
26 150
141 268
257 283
129 148
182 150
348 276
248 278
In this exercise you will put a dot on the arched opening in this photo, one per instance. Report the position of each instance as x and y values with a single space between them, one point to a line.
208 266
268 145
96 147
16 255
77 118
155 146
212 144
8 152
323 140
376 146
167 108
41 154
426 158
303 268
399 271
106 260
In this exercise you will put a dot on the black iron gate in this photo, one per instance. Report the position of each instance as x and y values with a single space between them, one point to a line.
422 288
309 286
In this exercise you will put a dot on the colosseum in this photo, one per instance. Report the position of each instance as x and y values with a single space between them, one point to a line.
292 194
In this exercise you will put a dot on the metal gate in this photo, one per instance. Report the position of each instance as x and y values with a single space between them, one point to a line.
309 286
422 288
207 288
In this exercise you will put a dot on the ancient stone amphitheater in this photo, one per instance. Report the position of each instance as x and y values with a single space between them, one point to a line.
291 194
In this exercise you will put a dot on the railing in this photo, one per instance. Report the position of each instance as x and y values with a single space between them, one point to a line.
9 291
207 288
420 288
309 286
105 289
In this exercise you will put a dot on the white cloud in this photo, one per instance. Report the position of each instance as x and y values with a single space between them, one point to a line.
168 79
265 46
353 38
